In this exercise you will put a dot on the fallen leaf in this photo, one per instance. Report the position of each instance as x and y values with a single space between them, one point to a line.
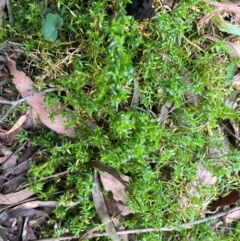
101 209
19 169
9 214
8 160
232 217
18 124
219 148
32 122
110 183
24 86
116 207
105 168
225 26
13 184
136 94
228 7
204 176
190 96
165 109
27 232
14 198
236 80
37 222
229 199
36 204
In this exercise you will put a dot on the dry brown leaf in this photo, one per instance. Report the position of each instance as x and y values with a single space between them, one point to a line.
136 94
226 200
24 86
7 162
235 53
8 139
231 217
110 183
19 169
14 198
236 81
204 176
11 214
27 232
228 7
18 124
117 207
13 184
101 209
32 122
164 112
36 204
190 96
37 222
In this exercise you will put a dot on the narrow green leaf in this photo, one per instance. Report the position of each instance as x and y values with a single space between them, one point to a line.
225 27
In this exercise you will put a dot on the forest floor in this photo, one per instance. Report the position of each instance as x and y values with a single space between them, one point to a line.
119 121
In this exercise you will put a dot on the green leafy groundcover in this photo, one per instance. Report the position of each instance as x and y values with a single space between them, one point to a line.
50 25
113 51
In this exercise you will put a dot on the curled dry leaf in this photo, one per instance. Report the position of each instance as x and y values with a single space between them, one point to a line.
18 124
110 183
24 86
7 137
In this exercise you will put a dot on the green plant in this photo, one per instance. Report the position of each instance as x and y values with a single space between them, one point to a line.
94 63
50 25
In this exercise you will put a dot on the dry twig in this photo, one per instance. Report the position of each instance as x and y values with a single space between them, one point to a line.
14 103
148 230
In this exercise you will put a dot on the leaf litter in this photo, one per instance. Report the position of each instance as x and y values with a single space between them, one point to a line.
24 86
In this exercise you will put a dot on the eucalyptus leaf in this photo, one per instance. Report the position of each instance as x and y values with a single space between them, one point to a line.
50 25
224 26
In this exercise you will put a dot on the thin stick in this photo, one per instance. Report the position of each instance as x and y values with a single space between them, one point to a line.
48 177
14 103
148 230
